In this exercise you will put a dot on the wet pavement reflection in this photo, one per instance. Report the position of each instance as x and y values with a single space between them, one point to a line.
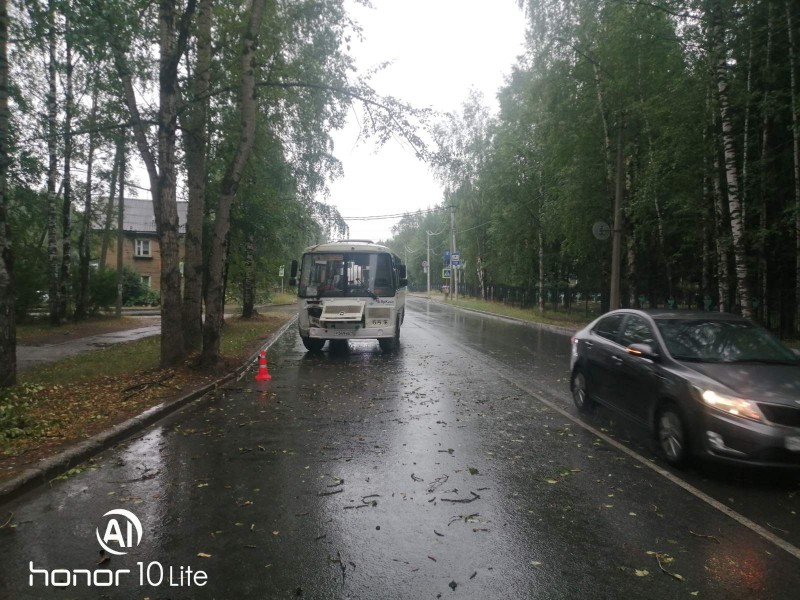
426 473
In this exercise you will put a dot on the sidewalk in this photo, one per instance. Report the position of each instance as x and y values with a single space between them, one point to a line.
30 356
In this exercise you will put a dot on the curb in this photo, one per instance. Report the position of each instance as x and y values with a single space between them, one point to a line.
51 467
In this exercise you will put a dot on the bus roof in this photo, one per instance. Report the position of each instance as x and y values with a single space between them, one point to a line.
349 246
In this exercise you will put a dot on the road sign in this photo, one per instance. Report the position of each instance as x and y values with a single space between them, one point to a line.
455 260
601 230
424 264
446 257
281 270
447 273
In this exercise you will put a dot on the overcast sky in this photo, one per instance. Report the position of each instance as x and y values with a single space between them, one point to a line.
440 49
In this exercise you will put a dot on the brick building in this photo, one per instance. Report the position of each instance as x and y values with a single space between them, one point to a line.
140 247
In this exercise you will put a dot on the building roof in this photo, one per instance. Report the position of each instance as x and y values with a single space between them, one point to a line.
139 217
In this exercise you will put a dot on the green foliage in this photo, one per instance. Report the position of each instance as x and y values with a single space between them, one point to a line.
14 405
103 289
135 292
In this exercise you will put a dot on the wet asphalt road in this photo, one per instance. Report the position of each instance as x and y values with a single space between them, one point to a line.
456 468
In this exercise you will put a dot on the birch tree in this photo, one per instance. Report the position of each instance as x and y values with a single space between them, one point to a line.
8 334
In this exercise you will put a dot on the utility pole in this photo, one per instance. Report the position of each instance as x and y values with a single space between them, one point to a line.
453 271
428 268
616 244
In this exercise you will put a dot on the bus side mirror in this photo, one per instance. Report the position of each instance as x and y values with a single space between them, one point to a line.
401 271
293 273
403 282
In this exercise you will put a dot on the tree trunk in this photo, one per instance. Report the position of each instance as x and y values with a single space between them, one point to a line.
165 205
731 171
746 129
230 183
195 142
249 282
162 176
632 291
84 241
796 157
66 207
112 190
764 168
541 269
8 331
52 168
722 239
120 227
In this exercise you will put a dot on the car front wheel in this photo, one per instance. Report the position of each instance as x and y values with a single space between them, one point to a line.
672 435
580 393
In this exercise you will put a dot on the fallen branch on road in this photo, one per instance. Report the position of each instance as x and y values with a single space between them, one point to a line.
708 537
463 500
140 387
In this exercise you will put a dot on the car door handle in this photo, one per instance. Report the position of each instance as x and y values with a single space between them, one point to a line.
588 344
617 360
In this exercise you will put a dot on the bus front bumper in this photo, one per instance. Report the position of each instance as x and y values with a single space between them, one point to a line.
345 332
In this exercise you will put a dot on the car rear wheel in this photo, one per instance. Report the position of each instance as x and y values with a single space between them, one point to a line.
672 435
580 393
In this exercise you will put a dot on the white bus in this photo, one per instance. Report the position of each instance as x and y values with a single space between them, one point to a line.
350 289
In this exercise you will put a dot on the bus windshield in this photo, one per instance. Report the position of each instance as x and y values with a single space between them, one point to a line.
349 274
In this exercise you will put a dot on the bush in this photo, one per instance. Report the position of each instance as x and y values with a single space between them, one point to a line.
14 405
103 287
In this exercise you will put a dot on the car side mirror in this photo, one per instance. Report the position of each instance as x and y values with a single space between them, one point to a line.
643 351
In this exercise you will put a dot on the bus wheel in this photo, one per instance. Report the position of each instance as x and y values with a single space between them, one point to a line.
391 344
312 344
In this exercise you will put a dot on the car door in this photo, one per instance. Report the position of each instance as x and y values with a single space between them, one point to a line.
599 347
636 379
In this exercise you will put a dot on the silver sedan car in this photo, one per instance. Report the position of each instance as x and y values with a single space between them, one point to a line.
704 384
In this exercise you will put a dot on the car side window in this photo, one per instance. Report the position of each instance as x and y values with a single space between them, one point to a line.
637 331
608 327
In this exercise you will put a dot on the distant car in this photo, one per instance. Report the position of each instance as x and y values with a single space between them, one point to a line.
708 384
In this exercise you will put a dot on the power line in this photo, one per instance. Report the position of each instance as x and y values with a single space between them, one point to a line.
395 216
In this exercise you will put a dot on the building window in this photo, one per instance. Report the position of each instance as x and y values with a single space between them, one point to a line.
143 248
146 280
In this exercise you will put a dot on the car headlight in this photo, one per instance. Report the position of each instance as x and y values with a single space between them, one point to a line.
738 407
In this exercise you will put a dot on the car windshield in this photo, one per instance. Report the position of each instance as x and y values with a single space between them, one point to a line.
346 275
722 341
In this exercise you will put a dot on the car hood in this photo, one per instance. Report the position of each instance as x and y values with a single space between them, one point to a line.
779 384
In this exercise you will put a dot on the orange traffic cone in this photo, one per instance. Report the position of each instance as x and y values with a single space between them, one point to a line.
263 373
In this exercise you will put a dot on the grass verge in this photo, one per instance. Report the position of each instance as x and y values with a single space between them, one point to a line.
58 404
575 318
